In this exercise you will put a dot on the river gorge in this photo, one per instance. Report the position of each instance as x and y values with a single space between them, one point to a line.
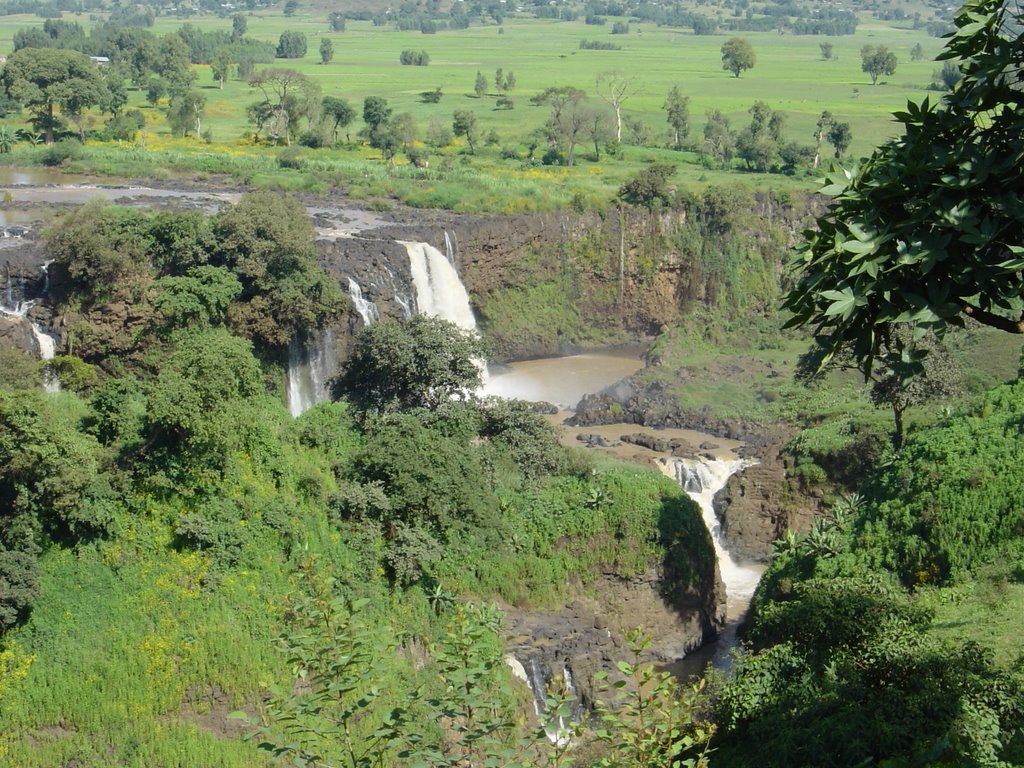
401 263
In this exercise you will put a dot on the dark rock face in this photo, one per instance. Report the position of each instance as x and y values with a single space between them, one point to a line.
16 332
589 635
757 506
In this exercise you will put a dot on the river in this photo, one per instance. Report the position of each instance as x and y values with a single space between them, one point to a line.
563 381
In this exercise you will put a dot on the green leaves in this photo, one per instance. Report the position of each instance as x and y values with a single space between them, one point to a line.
930 208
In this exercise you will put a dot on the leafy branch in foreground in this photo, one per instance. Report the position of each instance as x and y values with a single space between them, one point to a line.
929 230
331 715
655 724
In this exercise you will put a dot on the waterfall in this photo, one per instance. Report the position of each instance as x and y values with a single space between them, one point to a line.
9 307
702 478
300 396
402 300
366 309
312 362
439 291
532 674
46 345
450 247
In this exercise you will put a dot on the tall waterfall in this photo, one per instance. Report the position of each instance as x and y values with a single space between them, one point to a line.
702 478
366 309
311 364
439 291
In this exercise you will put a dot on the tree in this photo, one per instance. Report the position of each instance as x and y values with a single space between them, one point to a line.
948 76
280 107
337 21
185 112
737 55
291 45
464 124
221 65
340 113
480 87
825 123
266 240
420 363
840 136
173 62
917 52
510 81
376 112
615 88
758 144
326 50
926 233
43 79
877 61
290 7
678 108
239 25
719 141
826 50
649 187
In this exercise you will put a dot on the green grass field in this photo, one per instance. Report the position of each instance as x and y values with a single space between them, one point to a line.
789 75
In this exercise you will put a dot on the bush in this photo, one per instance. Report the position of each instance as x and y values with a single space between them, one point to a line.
410 57
62 153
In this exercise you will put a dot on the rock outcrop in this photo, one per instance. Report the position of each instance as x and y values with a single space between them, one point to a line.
589 635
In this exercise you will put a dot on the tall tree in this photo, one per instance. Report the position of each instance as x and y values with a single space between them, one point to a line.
840 136
339 112
677 107
185 112
291 45
928 231
221 65
326 50
824 125
615 88
480 86
877 61
464 124
738 55
43 79
239 25
279 87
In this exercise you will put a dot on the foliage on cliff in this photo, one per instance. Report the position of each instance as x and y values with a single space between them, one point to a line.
850 665
251 266
159 532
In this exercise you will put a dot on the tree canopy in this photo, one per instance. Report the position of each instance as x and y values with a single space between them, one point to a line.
738 55
420 363
929 230
45 78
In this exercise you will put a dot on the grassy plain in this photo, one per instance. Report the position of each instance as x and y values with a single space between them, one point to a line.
790 75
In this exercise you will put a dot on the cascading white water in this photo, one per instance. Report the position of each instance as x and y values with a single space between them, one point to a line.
366 309
311 365
300 396
531 674
449 247
439 291
702 478
46 345
402 300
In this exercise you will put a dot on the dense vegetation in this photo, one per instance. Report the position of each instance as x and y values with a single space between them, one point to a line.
163 518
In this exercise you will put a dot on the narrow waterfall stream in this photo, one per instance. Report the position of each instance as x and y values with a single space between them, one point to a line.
17 304
702 478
